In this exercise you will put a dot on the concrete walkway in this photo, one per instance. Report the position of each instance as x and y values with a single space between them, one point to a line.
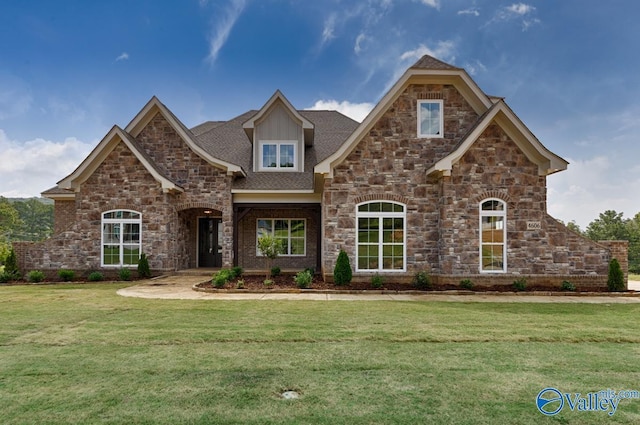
181 288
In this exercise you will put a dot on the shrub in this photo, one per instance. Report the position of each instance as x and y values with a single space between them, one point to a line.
236 272
567 286
124 274
303 279
6 277
275 271
376 281
240 284
143 267
11 264
342 273
421 280
268 283
520 284
35 276
466 284
66 275
95 277
221 278
615 282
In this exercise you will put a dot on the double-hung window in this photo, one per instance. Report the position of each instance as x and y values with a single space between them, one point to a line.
121 238
381 234
290 232
430 122
278 155
493 236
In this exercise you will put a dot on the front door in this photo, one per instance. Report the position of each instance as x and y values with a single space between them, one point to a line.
209 239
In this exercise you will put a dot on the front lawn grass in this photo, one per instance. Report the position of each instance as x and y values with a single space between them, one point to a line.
78 354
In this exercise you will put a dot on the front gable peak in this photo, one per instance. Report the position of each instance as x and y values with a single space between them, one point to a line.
279 99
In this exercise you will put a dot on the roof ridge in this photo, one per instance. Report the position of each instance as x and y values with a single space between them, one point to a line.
430 62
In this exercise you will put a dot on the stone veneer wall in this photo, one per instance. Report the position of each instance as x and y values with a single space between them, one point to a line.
390 163
249 260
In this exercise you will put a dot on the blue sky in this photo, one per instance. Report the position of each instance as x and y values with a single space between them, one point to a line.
70 70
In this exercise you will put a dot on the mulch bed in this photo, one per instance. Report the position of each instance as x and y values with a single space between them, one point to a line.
286 283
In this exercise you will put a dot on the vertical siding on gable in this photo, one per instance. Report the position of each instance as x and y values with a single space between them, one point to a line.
279 125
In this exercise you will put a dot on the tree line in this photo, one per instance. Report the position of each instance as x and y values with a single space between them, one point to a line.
32 220
23 220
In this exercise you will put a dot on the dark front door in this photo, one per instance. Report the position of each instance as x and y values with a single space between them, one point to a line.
209 239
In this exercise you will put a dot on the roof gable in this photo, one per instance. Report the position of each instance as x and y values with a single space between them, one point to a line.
307 126
427 70
153 107
501 114
115 136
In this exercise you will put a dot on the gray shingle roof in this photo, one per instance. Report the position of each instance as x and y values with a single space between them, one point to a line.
429 62
228 142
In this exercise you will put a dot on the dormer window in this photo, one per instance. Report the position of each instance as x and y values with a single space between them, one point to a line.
278 155
430 122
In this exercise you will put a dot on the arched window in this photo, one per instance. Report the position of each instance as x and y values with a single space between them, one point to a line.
493 236
121 238
381 231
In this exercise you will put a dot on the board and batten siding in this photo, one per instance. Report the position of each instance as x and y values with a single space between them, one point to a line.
279 125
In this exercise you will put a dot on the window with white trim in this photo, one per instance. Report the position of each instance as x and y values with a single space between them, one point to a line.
121 238
291 233
278 155
493 236
381 233
430 122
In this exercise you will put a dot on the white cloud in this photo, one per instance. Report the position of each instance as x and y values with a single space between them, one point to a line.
475 67
520 9
328 31
431 3
589 187
443 50
123 56
356 111
357 48
223 27
517 11
471 11
28 168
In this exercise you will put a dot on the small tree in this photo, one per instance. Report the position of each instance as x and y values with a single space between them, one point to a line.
616 277
11 264
143 266
342 273
270 247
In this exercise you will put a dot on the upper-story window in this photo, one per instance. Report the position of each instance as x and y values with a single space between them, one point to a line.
430 122
278 155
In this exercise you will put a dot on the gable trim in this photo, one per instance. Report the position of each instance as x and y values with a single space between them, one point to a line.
154 106
501 114
100 153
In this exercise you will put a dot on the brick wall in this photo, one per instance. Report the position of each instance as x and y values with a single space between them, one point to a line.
64 215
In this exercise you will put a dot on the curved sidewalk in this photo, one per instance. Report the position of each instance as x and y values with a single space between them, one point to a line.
180 288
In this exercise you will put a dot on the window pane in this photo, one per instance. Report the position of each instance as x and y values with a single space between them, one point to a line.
286 156
111 254
492 257
430 118
111 233
131 254
265 227
269 156
297 228
297 246
131 232
492 206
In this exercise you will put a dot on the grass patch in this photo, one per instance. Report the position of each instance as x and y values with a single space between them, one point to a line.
81 354
634 276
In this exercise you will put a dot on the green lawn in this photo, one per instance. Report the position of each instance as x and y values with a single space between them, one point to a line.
79 354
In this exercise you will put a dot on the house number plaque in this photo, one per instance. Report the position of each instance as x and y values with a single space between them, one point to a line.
534 225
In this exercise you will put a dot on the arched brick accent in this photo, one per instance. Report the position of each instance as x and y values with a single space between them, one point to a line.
191 205
381 197
499 194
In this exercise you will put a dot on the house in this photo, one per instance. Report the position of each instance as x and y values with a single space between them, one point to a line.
439 177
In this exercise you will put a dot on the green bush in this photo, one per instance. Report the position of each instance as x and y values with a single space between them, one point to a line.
342 273
144 271
567 286
615 282
275 271
520 284
6 277
303 279
221 278
240 284
35 276
376 281
66 275
421 280
95 277
268 283
124 274
11 264
236 272
466 284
